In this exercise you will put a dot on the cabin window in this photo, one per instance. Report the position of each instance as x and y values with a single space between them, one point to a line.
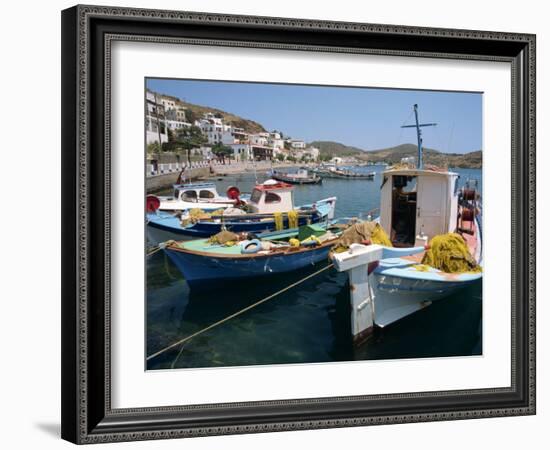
206 194
256 195
190 195
271 197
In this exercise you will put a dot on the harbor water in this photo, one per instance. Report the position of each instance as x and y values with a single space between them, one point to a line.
309 323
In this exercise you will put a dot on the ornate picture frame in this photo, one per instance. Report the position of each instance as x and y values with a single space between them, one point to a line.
87 35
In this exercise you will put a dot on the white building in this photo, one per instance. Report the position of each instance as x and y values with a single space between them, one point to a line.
297 143
409 160
241 152
275 141
177 114
259 139
312 153
167 102
175 125
155 124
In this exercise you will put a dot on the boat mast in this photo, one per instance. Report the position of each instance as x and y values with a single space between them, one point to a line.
419 164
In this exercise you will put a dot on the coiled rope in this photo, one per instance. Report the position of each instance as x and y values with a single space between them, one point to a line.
232 316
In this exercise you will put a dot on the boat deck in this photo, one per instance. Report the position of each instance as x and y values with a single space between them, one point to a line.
409 266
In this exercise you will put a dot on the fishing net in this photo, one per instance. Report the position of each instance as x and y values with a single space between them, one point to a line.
223 237
363 231
293 219
449 253
196 214
278 221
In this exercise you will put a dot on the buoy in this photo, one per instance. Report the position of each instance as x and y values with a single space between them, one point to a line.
233 192
249 247
152 203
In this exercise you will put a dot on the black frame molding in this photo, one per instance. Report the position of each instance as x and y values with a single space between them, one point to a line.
87 33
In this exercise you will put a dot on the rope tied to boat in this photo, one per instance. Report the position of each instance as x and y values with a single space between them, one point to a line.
232 316
159 247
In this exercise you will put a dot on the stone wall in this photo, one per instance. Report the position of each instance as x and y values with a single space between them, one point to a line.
156 183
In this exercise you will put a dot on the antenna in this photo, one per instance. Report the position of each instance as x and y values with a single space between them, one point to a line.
417 125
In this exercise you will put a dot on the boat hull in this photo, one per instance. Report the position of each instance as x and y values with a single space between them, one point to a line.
398 289
164 226
396 297
170 229
169 204
204 272
297 180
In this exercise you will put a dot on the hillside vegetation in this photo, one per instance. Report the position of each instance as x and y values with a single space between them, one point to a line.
195 112
393 155
331 148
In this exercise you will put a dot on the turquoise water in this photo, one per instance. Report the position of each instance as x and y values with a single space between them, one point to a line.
309 323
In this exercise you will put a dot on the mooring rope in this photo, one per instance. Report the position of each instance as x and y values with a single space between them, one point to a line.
154 250
159 247
232 316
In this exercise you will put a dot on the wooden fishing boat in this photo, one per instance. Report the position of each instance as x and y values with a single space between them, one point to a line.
300 177
416 205
270 205
350 175
206 266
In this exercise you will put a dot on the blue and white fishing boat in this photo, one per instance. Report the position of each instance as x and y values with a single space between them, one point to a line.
416 204
270 205
205 265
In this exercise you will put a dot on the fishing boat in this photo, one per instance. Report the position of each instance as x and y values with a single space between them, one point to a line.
197 195
207 265
416 205
270 207
349 174
302 176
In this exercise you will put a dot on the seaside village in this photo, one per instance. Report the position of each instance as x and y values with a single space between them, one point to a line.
171 123
423 245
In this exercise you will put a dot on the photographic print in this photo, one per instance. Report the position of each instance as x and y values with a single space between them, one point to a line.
315 202
310 224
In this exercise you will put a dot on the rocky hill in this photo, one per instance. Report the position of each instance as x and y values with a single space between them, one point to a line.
392 155
331 148
195 112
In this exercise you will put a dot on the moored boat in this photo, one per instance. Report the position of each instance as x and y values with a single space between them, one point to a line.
302 176
351 175
416 205
207 265
270 207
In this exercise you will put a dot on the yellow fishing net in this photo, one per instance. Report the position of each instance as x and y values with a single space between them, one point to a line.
278 221
293 219
196 214
224 237
362 231
365 231
449 253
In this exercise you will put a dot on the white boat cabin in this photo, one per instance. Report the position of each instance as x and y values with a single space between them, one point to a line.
417 204
195 192
301 173
270 197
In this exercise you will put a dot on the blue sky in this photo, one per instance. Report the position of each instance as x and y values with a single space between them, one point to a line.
362 117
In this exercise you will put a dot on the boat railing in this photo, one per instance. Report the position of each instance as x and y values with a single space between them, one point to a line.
243 217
